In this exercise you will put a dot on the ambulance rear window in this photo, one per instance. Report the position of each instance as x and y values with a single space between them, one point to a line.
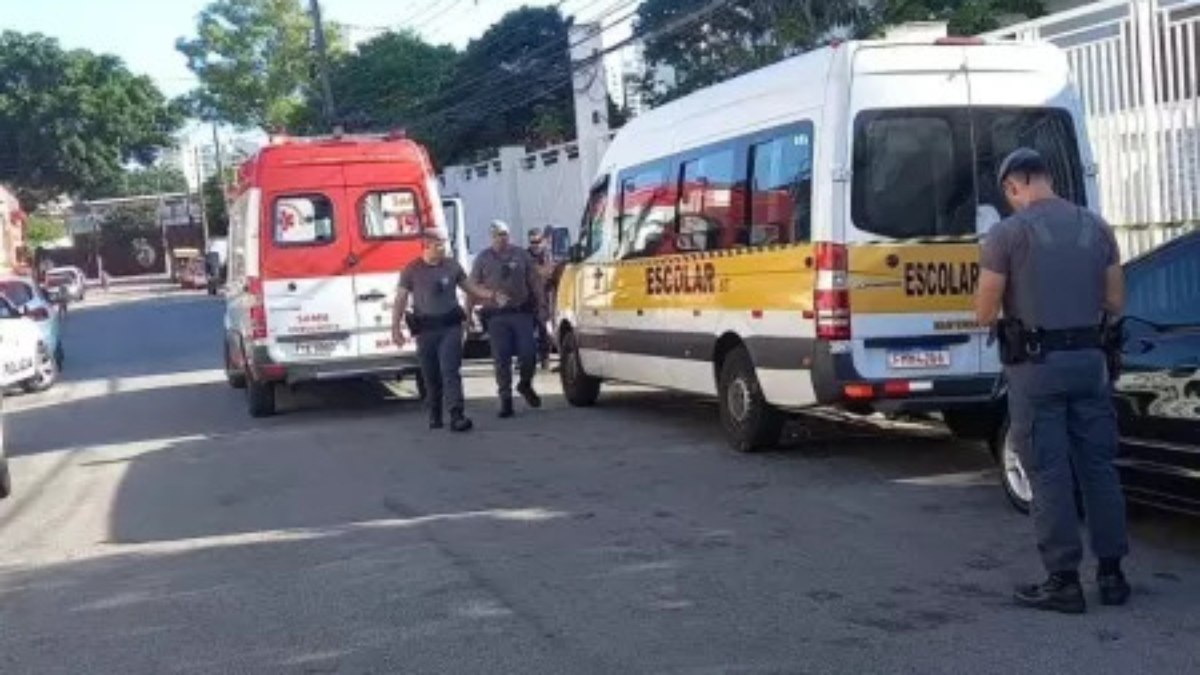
391 214
303 220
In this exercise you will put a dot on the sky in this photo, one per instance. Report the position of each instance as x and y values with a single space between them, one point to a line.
143 32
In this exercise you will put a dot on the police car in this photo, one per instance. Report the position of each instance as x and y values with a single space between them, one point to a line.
19 343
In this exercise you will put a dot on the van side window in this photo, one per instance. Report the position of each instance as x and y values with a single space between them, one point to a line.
592 230
708 213
390 214
647 213
303 220
781 175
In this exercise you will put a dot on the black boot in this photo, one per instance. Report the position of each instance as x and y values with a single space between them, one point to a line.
460 422
1114 589
506 408
1059 593
531 397
435 420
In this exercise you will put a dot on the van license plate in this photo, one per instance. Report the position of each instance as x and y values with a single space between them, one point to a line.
917 359
321 348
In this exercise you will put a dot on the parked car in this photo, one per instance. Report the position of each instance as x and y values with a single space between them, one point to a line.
20 339
1157 396
70 279
34 303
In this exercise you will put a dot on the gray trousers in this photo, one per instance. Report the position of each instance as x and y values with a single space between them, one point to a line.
440 352
512 335
1065 407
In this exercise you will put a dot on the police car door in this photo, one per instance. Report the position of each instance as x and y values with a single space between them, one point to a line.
18 346
911 235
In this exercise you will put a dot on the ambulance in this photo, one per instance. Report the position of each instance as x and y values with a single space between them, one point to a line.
807 234
320 229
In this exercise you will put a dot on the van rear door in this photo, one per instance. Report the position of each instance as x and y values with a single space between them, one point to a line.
386 233
913 255
308 295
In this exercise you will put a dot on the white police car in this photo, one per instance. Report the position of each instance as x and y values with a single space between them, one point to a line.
19 341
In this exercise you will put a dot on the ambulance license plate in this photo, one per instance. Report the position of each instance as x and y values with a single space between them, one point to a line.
316 348
918 359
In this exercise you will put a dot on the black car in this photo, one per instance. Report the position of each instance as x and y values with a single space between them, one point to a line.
1157 396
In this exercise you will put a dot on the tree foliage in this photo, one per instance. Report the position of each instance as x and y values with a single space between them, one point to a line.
214 205
125 221
749 34
70 121
41 229
141 181
254 61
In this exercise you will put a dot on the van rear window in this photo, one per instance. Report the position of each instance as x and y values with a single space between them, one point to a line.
303 220
932 172
391 214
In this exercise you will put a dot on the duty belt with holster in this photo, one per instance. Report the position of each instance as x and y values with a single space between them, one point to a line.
1019 344
419 323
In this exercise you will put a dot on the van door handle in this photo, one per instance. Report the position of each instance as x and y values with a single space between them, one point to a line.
598 274
372 296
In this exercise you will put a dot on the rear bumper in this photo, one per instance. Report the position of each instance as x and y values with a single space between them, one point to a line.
833 372
266 369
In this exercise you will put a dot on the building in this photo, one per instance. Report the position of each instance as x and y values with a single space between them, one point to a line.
14 254
197 160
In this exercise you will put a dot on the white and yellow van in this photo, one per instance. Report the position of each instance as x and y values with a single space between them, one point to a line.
807 234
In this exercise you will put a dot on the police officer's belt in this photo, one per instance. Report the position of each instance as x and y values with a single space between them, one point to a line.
1066 339
418 323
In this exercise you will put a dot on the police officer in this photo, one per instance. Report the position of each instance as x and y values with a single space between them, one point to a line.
540 253
510 271
1053 269
431 282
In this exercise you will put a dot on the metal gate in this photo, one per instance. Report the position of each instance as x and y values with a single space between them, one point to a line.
1135 63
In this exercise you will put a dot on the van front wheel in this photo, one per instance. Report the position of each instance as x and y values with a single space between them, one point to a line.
750 422
580 389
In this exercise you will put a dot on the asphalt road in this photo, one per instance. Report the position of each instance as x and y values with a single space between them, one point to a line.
158 529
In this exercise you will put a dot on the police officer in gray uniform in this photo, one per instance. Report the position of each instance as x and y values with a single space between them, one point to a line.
1053 269
431 282
512 272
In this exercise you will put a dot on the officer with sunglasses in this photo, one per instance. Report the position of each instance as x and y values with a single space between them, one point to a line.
511 272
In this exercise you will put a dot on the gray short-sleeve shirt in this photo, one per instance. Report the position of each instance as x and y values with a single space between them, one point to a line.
434 288
511 271
1054 255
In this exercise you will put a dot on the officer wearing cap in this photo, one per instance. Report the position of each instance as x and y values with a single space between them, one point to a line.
1052 269
510 270
431 282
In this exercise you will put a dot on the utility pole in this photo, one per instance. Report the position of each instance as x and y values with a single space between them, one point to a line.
220 184
200 194
322 61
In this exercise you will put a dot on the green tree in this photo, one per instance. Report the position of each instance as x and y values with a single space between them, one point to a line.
254 61
124 222
748 34
41 229
141 181
214 205
71 121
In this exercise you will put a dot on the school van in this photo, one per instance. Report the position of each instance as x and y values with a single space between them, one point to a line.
807 234
319 232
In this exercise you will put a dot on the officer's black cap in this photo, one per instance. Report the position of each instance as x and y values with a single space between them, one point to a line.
1024 161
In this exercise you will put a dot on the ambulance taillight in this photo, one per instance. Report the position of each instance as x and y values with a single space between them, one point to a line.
831 299
258 309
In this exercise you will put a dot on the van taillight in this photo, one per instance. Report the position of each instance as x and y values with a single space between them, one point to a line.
831 299
258 309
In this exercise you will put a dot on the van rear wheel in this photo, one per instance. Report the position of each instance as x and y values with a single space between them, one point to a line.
260 398
235 377
750 422
579 388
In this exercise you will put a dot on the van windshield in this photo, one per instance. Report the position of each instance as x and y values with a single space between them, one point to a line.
932 172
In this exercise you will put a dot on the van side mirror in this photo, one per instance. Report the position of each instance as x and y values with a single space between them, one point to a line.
576 254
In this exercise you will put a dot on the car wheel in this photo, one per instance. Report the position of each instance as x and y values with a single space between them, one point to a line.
750 422
1013 478
47 372
579 388
260 398
235 378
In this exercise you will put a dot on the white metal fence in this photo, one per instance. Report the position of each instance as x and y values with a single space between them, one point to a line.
1135 63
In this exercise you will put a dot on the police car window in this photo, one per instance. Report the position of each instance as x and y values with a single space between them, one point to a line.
707 214
7 311
303 220
908 179
391 214
647 212
781 175
1164 287
16 292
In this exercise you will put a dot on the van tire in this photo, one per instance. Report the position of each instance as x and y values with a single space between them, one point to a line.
580 389
1013 477
5 479
235 378
260 398
750 423
974 424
